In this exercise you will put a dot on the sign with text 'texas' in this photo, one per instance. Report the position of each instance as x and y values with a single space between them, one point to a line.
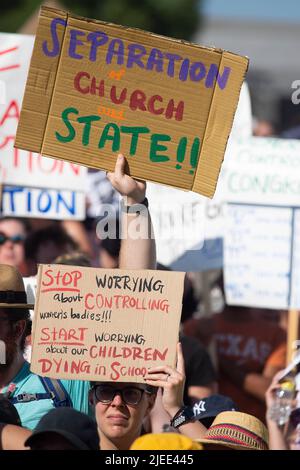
95 89
110 325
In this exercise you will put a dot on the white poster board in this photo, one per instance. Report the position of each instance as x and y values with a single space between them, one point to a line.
262 256
43 203
19 167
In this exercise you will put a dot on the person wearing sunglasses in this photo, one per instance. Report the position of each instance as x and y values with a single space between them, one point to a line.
12 236
121 408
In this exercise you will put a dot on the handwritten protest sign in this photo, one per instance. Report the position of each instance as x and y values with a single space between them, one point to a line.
111 325
24 168
261 171
43 203
261 256
95 89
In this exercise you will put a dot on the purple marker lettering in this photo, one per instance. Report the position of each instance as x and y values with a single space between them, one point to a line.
213 74
171 65
74 42
135 52
97 39
116 47
55 41
197 71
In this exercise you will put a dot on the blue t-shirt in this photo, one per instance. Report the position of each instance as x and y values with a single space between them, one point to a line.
31 412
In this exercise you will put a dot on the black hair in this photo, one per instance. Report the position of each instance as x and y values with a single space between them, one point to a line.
54 233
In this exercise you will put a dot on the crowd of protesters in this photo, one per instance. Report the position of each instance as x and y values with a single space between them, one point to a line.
203 403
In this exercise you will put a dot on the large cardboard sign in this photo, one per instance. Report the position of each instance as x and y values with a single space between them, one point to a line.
110 325
95 89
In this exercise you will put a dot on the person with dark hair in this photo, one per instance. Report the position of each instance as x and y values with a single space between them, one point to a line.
46 244
13 233
64 429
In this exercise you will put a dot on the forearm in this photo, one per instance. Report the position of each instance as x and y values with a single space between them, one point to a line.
276 438
138 249
194 430
13 437
256 385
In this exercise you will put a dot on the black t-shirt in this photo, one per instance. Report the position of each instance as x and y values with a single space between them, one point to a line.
199 369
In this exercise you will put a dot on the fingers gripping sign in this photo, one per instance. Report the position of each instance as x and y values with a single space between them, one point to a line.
134 190
172 382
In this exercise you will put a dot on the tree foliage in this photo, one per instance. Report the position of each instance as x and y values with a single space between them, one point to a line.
175 18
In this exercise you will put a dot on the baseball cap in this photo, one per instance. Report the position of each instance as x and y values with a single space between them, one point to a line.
78 428
207 409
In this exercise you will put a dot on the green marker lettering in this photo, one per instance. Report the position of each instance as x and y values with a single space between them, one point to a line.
115 138
156 147
135 131
87 121
65 118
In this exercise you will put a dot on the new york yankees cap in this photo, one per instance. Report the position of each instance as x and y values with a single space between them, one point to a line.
207 409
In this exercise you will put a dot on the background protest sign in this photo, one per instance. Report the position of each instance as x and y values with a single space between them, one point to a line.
261 171
95 89
262 256
98 324
261 181
31 172
43 203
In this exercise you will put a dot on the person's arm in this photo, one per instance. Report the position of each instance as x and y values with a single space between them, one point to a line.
276 433
253 383
172 382
13 437
138 243
258 384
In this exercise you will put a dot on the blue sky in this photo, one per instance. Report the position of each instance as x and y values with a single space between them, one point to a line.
265 10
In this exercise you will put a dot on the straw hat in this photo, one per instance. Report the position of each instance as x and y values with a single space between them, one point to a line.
238 431
12 290
165 441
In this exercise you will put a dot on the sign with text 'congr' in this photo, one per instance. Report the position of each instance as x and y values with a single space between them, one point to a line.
95 89
108 325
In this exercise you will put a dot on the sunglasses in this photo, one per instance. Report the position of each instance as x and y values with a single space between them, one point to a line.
130 395
14 238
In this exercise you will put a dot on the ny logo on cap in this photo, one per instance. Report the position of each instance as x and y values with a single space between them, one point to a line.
199 407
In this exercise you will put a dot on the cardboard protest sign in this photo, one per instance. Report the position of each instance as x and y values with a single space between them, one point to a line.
110 325
95 89
24 168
